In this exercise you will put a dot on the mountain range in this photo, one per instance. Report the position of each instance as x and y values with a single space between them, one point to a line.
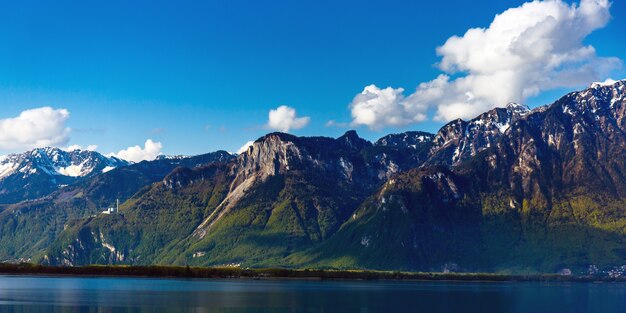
512 190
38 172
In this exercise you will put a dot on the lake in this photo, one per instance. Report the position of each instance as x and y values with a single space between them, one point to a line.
89 294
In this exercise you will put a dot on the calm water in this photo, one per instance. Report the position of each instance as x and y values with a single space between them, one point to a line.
55 294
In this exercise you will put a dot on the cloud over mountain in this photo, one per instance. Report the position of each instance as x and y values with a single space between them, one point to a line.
525 50
284 118
377 108
136 153
38 127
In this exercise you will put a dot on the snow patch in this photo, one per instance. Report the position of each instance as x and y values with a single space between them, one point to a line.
423 138
7 169
567 110
503 127
72 170
518 107
457 153
607 82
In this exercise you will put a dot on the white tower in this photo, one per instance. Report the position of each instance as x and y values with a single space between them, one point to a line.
117 205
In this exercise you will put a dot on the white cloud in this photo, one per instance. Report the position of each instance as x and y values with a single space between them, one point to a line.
525 50
79 147
245 147
378 108
38 127
284 118
333 123
136 153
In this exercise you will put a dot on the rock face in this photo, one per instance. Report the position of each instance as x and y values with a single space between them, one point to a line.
460 140
296 190
512 189
412 140
352 165
301 188
547 193
40 171
279 153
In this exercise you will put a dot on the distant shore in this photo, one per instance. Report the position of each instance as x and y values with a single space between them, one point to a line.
279 273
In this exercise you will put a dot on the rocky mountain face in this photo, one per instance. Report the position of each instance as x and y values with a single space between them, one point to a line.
548 194
38 172
460 140
283 193
510 190
411 139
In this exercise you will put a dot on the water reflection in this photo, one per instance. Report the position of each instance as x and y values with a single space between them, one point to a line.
69 294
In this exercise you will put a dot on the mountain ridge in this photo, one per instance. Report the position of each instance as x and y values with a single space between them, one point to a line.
40 171
513 189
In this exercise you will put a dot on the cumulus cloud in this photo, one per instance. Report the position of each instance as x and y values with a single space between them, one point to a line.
245 147
136 153
525 50
79 147
377 108
38 127
284 118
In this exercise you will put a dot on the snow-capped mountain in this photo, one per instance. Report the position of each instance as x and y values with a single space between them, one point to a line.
172 157
42 170
410 139
460 139
57 162
513 188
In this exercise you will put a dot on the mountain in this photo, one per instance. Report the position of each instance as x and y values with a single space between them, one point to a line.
460 140
40 171
411 139
548 194
27 228
512 190
282 194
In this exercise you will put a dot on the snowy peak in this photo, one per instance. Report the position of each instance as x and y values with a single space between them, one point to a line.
411 139
40 171
57 162
607 83
517 108
605 90
460 140
172 157
600 100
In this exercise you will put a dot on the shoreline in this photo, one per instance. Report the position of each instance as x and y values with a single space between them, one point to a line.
182 272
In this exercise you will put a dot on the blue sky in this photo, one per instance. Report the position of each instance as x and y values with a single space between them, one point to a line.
199 76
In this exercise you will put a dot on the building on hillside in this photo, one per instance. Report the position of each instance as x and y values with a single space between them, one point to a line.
113 210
